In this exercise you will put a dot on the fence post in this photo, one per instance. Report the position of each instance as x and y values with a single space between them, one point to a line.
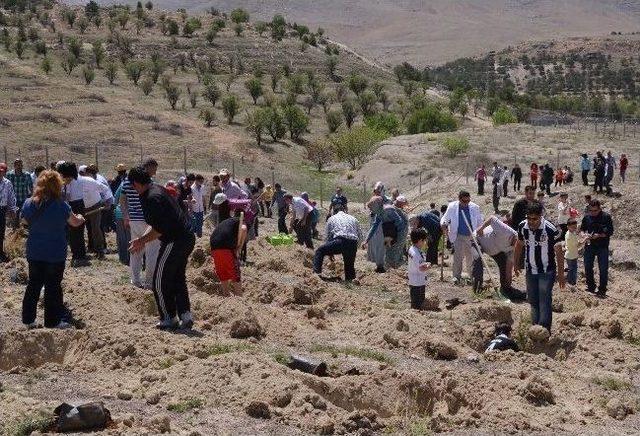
558 163
420 188
141 154
95 149
364 192
273 178
466 170
184 159
46 156
233 169
321 193
6 158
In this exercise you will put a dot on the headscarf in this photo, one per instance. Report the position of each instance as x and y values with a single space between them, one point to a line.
375 204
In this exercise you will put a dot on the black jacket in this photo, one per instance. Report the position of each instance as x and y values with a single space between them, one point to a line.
601 223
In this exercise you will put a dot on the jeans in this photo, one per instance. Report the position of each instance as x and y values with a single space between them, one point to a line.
598 185
196 223
76 234
602 253
572 273
123 236
539 288
169 279
49 275
282 224
623 175
94 225
480 187
417 296
431 255
347 247
516 183
585 177
501 259
505 188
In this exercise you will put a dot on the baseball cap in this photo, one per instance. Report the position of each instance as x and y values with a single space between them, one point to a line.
219 199
82 168
224 172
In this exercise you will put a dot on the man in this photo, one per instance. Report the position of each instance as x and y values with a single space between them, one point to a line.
150 165
516 175
215 190
610 166
133 219
226 242
496 181
169 224
338 199
599 167
461 218
107 223
480 177
585 166
497 239
434 210
564 213
544 262
121 171
22 187
598 226
547 177
185 196
300 219
281 204
74 196
94 196
8 207
505 181
342 236
431 223
198 193
230 188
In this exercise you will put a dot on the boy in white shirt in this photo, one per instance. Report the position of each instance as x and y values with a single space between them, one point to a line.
417 268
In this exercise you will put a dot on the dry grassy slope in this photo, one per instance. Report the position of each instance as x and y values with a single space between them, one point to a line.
435 31
72 117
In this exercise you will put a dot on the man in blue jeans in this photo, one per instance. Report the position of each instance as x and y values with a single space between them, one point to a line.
343 234
598 226
544 261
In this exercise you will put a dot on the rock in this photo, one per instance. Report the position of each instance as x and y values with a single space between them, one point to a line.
128 350
246 327
431 303
153 398
402 326
391 339
315 312
361 420
557 306
258 409
440 350
575 319
160 423
611 329
124 395
473 358
616 409
538 391
305 294
538 334
324 425
128 420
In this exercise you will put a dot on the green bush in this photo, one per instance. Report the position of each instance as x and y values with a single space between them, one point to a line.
431 119
385 122
355 146
503 116
455 145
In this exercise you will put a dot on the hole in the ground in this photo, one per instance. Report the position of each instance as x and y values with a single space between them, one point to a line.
31 349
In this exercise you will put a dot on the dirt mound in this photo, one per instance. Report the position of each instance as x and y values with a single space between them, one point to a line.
35 348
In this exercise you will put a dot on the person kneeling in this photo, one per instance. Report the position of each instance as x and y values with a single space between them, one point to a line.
417 268
342 235
227 240
502 341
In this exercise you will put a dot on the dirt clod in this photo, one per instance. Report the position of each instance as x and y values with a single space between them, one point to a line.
246 327
538 334
258 409
538 391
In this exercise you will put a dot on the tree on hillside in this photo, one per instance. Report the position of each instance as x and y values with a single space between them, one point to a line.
172 93
173 28
332 64
69 15
98 52
134 70
91 10
148 5
89 74
191 25
111 71
254 86
156 66
367 101
83 24
295 120
68 63
278 27
295 84
75 47
239 15
238 29
334 120
147 85
356 146
230 107
357 83
211 35
256 124
261 27
211 93
123 18
320 153
46 65
208 116
349 112
430 119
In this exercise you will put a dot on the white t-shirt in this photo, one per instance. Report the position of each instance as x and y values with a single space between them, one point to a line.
563 212
416 258
198 196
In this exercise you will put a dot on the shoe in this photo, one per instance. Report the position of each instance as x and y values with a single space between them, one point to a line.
32 326
62 325
3 258
168 324
380 270
601 294
186 321
591 291
79 263
136 284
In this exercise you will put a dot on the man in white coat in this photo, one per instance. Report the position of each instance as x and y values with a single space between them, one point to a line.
458 223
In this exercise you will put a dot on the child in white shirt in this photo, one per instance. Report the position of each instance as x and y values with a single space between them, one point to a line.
417 268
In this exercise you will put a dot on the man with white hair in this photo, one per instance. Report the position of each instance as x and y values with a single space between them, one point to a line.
230 188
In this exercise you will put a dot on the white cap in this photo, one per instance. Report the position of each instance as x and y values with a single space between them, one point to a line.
82 168
219 199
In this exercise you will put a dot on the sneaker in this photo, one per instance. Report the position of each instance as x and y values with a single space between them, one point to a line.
456 281
168 324
63 325
136 284
79 263
186 321
591 291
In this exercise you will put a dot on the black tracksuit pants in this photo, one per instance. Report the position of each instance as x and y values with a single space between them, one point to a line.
3 227
49 275
169 278
282 224
76 234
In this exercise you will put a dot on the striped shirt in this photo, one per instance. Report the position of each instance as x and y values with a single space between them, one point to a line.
7 196
133 201
539 246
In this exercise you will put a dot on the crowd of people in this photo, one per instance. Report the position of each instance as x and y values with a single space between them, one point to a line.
156 228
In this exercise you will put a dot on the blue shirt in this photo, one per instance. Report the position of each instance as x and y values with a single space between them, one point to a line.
338 199
463 228
47 240
585 164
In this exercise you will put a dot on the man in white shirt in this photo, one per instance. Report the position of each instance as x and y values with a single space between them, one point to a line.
198 193
74 196
564 212
7 206
417 268
455 226
300 219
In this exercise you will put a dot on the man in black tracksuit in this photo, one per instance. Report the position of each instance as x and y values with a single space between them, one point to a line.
169 223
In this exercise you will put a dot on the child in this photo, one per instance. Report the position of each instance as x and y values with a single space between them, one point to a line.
571 245
477 270
417 267
502 340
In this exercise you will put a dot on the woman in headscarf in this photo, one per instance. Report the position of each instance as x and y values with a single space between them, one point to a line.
395 252
374 243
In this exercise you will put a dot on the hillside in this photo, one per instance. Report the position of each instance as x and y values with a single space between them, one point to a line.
429 32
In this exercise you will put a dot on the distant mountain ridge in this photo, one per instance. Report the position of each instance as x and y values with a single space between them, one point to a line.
428 32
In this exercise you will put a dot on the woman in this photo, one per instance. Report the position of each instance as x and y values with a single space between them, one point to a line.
624 164
47 215
534 175
123 234
396 251
266 198
374 243
260 190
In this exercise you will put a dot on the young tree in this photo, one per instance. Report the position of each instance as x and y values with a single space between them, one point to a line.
134 70
275 124
193 99
46 65
208 116
275 79
68 63
261 27
334 120
367 101
111 71
355 146
172 93
191 25
256 123
92 10
230 107
254 86
238 29
69 16
357 83
156 66
349 112
123 18
172 27
295 120
211 35
332 65
147 85
98 52
83 24
19 48
148 5
89 74
211 93
295 84
239 16
320 153
75 47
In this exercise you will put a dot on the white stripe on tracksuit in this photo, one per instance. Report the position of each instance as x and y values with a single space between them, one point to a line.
158 279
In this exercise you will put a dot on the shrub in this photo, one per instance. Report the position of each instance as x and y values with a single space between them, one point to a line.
46 65
355 146
256 123
75 47
98 52
320 153
295 120
40 47
455 145
503 116
295 84
147 85
211 35
111 72
238 29
208 116
89 74
385 122
254 86
69 62
190 26
275 124
430 119
19 49
261 27
211 93
92 10
367 101
134 70
172 93
349 112
334 120
230 107
357 83
193 99
332 64
239 15
83 24
172 27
